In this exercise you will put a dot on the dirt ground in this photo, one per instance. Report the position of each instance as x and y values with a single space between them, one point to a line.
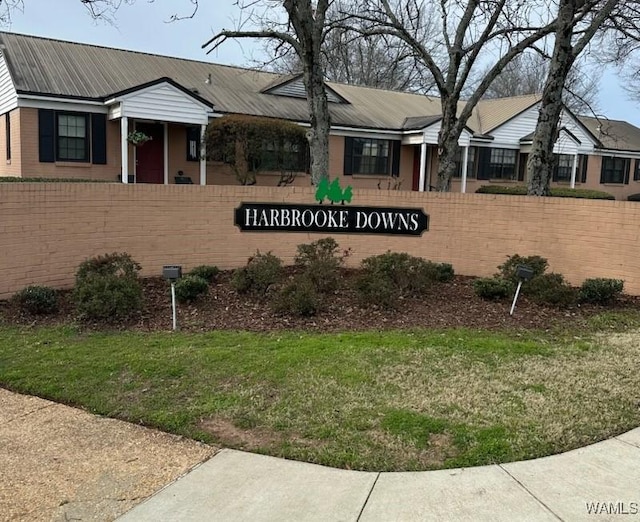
452 304
58 463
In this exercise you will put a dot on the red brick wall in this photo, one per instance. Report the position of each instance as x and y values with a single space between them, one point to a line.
46 230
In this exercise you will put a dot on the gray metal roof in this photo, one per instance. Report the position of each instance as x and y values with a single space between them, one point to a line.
44 66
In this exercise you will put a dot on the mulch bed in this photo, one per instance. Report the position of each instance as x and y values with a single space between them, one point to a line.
447 305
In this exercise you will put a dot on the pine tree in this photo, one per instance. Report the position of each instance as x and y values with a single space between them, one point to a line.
335 192
323 190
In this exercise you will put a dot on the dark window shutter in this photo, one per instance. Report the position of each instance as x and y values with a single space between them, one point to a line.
522 166
584 160
99 139
636 171
602 169
395 165
627 167
46 135
193 144
348 156
484 159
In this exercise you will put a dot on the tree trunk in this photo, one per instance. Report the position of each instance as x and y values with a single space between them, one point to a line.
318 134
308 20
447 145
541 159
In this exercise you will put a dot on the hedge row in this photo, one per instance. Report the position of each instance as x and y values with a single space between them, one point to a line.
556 192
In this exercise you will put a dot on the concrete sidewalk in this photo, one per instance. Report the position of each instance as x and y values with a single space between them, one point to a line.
60 463
232 486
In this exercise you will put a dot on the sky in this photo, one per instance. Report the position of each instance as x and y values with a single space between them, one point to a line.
143 26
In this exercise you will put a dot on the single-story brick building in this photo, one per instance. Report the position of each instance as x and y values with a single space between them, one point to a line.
67 109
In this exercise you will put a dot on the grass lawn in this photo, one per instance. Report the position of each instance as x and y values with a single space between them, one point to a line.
373 401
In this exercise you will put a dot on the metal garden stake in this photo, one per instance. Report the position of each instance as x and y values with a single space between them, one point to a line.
524 273
173 273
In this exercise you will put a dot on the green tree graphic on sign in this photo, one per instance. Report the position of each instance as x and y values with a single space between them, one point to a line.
335 192
322 190
347 195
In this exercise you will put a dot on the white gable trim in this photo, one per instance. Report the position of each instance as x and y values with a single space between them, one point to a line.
430 133
8 94
160 102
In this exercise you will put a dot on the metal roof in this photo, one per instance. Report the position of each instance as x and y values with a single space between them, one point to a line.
613 134
45 66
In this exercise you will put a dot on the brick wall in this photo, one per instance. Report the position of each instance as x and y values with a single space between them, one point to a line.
46 230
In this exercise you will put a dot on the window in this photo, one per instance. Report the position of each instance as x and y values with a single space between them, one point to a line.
502 164
285 156
471 163
563 167
193 144
72 137
7 128
614 170
368 156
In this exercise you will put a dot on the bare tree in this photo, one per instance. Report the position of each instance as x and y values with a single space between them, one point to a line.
471 33
578 22
104 10
304 31
526 74
378 60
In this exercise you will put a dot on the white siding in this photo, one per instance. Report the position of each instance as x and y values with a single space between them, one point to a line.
163 102
8 95
509 134
430 136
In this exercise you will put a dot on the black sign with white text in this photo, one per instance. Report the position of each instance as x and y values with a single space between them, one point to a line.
331 219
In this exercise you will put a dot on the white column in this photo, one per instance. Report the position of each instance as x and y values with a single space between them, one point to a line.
574 169
465 162
124 148
203 156
423 164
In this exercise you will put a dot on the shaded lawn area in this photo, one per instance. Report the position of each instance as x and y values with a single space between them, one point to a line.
394 400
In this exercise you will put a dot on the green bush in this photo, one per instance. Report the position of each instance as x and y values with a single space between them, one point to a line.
190 287
206 272
408 274
550 289
107 287
633 197
376 290
507 270
261 271
442 272
37 300
600 290
556 192
492 288
321 263
299 297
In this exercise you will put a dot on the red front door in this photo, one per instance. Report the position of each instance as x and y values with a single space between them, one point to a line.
150 155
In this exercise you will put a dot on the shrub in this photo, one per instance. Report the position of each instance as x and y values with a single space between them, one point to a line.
190 287
492 288
600 290
633 197
321 263
37 300
299 297
508 268
376 290
442 272
551 289
261 271
556 192
408 274
206 272
107 287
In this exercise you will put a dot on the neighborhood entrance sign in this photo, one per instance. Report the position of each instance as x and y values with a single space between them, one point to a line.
334 219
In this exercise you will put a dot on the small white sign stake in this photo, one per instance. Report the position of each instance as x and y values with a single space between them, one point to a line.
173 305
515 297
